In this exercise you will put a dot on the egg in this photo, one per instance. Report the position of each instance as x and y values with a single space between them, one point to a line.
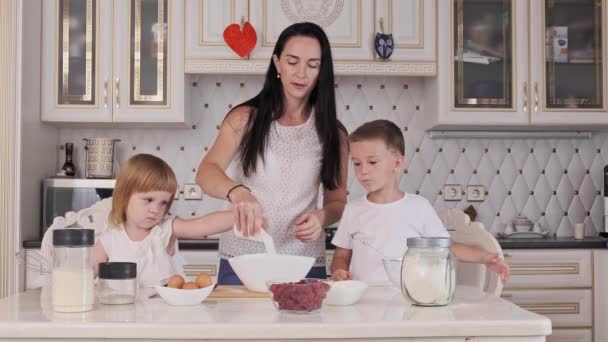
176 281
190 286
203 280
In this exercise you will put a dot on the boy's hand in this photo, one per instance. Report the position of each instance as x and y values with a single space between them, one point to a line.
498 265
308 226
341 274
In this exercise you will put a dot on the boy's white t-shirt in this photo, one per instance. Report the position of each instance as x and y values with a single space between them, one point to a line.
154 263
374 231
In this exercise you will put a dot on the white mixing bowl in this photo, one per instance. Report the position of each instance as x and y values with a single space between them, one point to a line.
255 270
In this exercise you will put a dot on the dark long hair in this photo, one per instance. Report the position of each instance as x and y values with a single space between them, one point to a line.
269 105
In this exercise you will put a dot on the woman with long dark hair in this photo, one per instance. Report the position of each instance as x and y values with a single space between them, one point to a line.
286 141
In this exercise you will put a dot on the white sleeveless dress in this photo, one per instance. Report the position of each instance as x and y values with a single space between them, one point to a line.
286 185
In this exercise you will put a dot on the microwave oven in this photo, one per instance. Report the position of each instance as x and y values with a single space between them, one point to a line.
62 195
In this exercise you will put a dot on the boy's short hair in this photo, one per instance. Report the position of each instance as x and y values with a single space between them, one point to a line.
384 130
140 173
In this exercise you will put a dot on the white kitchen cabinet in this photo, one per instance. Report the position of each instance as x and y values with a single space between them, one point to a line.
113 62
205 23
350 27
498 67
413 26
563 285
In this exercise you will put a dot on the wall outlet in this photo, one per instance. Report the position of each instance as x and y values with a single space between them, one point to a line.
452 192
476 193
192 192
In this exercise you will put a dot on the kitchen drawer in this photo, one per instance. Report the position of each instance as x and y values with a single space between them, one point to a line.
544 268
196 262
571 335
565 308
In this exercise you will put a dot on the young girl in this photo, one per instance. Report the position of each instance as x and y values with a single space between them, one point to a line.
139 229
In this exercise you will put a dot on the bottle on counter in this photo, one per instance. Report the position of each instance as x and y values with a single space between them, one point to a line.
68 166
117 282
428 277
72 277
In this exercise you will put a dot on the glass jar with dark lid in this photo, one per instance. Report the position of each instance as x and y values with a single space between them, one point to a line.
117 282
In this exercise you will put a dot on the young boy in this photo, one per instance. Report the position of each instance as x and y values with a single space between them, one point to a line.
378 225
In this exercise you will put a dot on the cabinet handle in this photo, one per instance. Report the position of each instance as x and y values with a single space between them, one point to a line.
506 295
536 96
105 93
116 91
525 96
507 255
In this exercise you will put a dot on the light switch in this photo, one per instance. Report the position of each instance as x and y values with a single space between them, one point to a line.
452 192
476 193
192 192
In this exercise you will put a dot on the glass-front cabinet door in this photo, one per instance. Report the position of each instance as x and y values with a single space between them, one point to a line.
148 60
568 61
75 74
488 63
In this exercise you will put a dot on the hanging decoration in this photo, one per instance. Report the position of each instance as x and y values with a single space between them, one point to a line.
241 38
384 43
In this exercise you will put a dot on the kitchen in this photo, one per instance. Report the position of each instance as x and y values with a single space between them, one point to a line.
524 152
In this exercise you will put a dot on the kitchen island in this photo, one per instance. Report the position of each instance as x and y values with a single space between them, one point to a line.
382 314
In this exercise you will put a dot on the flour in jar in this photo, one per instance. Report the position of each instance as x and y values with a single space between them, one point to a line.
428 280
73 291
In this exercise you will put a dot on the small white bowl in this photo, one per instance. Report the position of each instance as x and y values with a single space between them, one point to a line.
254 270
345 292
184 297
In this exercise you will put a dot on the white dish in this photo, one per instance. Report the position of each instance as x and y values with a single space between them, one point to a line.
184 297
523 235
254 270
345 292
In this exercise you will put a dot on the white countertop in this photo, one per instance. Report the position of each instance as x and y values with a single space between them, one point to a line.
381 313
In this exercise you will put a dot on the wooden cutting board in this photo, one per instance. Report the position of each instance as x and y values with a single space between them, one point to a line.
234 291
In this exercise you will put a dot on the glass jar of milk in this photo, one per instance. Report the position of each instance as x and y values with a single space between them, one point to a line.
427 272
73 270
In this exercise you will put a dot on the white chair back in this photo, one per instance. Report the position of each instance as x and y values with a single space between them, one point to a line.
462 230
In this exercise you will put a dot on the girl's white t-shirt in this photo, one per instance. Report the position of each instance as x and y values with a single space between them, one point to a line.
374 231
154 263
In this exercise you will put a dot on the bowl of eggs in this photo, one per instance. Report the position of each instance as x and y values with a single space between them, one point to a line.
181 292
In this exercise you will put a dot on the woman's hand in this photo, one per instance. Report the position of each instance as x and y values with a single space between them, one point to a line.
308 225
499 266
248 216
341 274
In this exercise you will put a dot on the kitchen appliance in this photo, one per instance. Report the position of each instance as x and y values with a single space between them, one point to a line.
100 157
61 195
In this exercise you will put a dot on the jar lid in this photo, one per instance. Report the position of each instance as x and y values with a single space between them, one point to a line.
117 270
73 237
429 242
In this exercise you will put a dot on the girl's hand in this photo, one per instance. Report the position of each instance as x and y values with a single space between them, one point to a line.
498 265
308 226
247 212
341 274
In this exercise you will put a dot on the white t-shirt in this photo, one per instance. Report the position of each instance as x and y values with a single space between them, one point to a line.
374 231
154 264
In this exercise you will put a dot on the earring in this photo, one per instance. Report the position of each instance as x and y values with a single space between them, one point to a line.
278 75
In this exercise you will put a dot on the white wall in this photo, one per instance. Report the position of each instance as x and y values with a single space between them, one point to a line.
39 141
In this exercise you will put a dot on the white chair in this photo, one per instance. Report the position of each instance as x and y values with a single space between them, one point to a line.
462 230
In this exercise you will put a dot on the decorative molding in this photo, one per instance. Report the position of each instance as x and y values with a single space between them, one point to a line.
9 105
363 68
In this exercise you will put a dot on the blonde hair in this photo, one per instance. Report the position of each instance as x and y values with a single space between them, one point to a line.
140 173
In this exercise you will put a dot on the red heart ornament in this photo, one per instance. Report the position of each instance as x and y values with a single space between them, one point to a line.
241 42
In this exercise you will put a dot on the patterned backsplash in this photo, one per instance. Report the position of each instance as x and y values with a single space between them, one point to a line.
556 182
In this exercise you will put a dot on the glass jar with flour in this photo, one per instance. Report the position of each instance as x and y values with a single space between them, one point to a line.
428 277
73 270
